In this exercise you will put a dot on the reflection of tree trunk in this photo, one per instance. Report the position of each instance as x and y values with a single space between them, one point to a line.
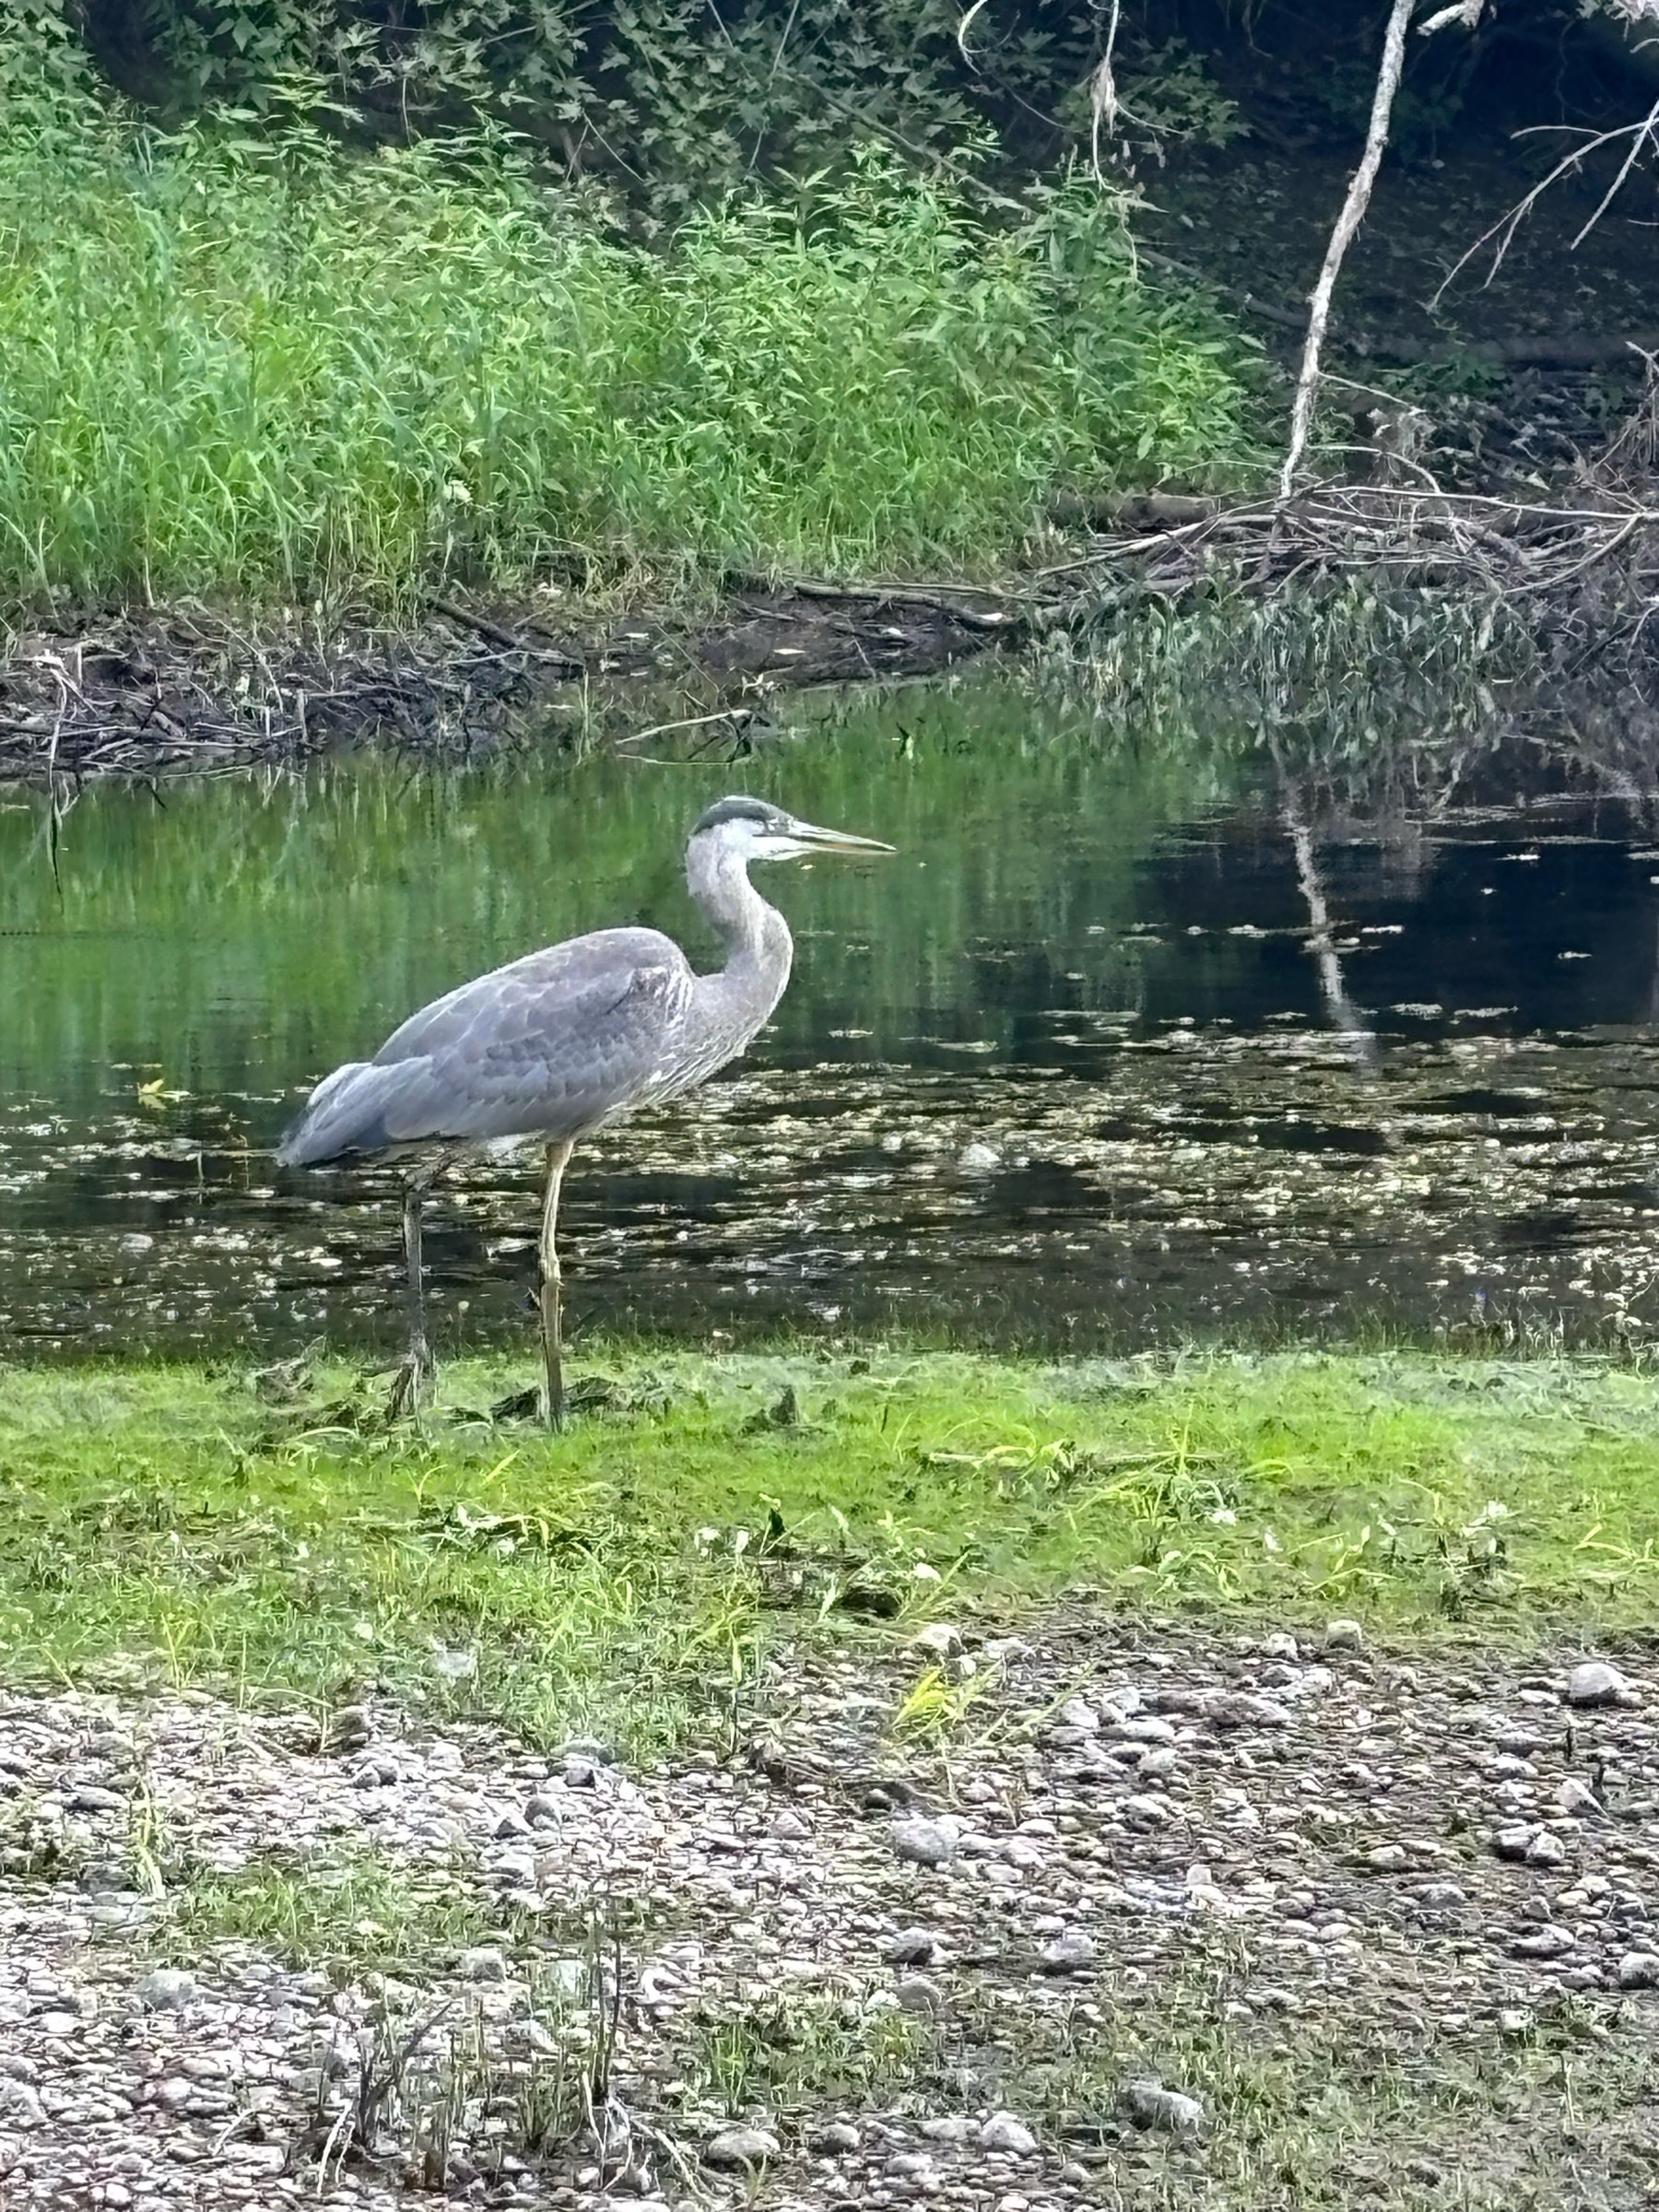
1345 1017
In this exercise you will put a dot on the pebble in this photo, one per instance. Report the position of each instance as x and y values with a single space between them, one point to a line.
943 1638
924 1842
1149 2104
739 2146
1547 1942
167 1989
483 1962
1594 1682
911 1946
1003 2132
1068 1954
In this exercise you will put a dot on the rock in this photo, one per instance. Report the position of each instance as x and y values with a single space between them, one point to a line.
911 1946
1439 1897
1343 1636
1149 2104
1593 1682
740 2147
1639 1970
168 1989
1068 1954
924 1842
836 2139
1144 1728
1547 1942
19 2107
911 2165
484 1962
790 1828
1003 2132
941 1638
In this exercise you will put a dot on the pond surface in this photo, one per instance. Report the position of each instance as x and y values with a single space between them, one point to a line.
1134 1042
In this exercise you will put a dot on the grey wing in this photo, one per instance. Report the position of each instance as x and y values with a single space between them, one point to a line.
550 1045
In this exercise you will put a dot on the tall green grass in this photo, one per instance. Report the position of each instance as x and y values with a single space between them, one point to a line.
270 371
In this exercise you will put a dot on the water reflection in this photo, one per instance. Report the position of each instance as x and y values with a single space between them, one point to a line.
1135 1041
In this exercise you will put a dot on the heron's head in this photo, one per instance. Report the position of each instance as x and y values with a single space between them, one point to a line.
755 829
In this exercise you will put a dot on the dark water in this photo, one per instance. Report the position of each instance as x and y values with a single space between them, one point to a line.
1135 1042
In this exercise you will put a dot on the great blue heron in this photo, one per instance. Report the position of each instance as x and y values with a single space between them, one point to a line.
556 1044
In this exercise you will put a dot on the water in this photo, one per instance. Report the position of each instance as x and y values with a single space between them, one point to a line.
1132 1043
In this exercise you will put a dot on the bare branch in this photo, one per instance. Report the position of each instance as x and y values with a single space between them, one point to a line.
1347 223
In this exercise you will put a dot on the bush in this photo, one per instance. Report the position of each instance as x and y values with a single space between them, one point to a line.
271 370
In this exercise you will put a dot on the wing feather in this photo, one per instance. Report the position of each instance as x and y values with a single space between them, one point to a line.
550 1045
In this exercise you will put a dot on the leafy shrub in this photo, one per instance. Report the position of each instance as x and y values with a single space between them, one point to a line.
266 369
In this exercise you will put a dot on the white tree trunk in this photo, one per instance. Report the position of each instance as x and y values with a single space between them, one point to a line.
1342 238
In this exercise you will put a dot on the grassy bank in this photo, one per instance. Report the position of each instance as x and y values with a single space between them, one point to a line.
265 370
181 1527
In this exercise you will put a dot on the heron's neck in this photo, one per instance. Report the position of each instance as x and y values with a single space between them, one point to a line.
754 935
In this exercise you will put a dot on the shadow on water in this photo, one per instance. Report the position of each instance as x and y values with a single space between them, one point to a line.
1141 1039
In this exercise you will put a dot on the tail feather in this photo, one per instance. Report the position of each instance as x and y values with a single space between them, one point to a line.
345 1113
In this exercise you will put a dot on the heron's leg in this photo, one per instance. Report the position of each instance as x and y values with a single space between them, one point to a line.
418 1365
558 1155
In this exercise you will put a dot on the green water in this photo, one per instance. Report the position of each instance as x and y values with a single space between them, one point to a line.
1070 1069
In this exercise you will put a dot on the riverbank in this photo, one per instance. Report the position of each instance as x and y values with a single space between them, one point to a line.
860 1774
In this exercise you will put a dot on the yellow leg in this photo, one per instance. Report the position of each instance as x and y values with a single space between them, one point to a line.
558 1155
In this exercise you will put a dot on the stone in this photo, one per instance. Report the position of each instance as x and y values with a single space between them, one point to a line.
1003 2132
1343 1636
1547 1942
942 1639
1594 1682
1149 2104
911 1946
924 1842
1387 1858
740 2147
1639 1970
790 1828
19 2106
1069 1953
168 1989
483 1962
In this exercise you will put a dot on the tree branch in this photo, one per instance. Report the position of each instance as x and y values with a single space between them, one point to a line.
1342 236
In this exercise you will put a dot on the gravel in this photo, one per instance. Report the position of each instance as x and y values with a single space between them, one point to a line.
1332 1853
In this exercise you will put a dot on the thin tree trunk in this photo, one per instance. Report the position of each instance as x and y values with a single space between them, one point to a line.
1342 238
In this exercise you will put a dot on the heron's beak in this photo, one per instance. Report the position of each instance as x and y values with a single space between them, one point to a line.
835 840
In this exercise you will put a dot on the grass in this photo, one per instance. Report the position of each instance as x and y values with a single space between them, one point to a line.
266 370
166 1525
